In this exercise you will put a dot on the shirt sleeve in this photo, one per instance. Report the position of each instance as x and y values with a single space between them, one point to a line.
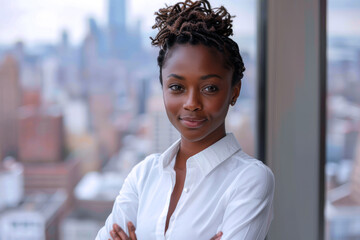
250 208
124 209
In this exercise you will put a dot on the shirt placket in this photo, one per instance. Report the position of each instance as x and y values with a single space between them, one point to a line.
160 226
182 201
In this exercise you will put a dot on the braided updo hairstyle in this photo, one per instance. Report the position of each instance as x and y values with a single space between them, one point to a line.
195 22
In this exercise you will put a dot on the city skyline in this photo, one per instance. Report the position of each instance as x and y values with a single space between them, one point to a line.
77 111
39 21
42 22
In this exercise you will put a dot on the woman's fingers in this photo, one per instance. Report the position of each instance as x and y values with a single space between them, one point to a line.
217 236
118 233
131 229
114 235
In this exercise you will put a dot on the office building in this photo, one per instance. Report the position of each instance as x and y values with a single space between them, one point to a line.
9 103
40 134
163 133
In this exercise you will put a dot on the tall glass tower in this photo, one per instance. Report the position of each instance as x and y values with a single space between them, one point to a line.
117 14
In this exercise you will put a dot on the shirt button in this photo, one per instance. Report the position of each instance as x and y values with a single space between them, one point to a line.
186 190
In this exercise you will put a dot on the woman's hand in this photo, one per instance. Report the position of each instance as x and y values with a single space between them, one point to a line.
217 236
117 233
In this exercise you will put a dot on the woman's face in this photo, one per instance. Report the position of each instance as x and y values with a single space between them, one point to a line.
197 91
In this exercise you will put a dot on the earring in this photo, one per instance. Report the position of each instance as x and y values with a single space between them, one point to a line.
233 102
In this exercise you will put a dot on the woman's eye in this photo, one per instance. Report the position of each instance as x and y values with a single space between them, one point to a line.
176 88
210 89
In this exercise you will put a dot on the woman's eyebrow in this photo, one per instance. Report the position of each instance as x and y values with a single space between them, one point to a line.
176 76
201 78
210 76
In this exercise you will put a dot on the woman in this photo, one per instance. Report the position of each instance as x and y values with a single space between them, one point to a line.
203 186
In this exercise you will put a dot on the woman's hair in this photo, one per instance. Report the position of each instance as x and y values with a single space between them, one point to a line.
195 22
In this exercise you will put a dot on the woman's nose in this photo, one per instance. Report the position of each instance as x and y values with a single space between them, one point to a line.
192 101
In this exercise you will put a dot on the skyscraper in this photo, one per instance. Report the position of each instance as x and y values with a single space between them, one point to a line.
40 134
118 33
163 133
117 14
9 102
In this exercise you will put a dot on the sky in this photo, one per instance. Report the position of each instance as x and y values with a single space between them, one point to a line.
42 21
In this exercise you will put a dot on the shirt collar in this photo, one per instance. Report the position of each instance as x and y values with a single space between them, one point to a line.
207 159
166 157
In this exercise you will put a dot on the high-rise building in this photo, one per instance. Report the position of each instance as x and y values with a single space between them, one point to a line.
117 14
117 28
40 134
101 108
100 37
124 42
9 103
61 72
31 97
163 132
143 94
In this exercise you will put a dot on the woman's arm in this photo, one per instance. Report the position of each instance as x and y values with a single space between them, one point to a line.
249 211
125 207
117 233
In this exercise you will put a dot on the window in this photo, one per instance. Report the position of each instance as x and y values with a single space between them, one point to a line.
342 212
81 104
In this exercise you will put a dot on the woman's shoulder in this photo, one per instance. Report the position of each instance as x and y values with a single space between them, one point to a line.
252 176
149 163
143 171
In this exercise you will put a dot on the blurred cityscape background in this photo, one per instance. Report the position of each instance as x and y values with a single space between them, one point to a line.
76 116
79 110
342 207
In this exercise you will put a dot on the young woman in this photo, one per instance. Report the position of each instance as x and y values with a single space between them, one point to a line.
203 186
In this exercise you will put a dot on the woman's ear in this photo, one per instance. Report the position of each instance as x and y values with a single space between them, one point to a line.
235 92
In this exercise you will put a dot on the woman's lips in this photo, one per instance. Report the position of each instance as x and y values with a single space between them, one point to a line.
192 122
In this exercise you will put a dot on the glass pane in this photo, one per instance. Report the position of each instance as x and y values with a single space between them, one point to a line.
343 121
81 104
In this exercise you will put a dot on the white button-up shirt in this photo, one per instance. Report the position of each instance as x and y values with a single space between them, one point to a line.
225 190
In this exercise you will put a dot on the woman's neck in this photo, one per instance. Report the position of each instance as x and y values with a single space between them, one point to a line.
188 149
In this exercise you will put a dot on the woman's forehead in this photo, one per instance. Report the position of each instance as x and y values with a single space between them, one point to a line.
195 54
196 61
